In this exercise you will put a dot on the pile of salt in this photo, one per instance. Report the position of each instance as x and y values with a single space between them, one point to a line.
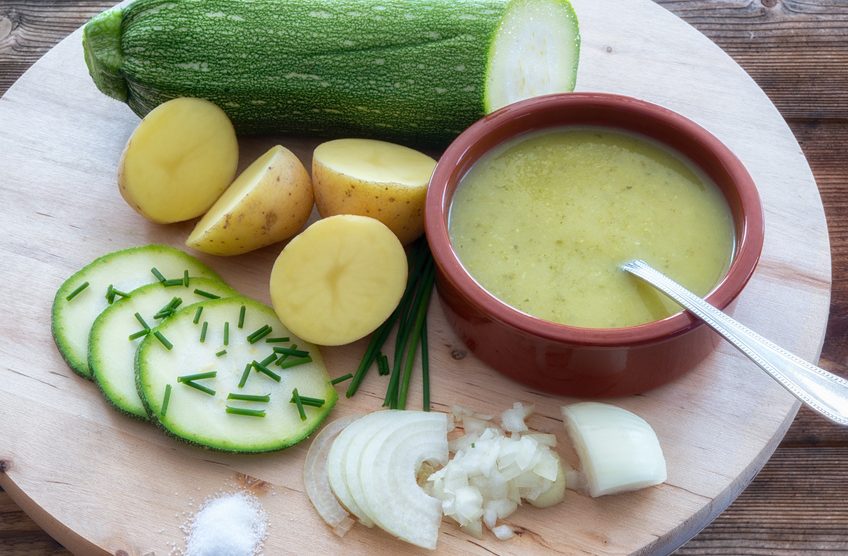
231 525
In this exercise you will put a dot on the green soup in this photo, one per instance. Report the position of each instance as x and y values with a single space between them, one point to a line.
544 221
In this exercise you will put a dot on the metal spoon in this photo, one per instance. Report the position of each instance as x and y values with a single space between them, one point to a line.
823 391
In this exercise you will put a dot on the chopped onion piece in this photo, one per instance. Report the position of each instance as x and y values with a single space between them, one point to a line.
491 472
317 482
503 532
618 450
513 419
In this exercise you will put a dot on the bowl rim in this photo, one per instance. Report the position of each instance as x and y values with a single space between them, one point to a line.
749 240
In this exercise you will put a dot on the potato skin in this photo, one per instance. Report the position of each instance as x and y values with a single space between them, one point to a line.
268 203
398 206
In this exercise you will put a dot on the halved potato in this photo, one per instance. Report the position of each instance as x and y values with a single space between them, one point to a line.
269 202
373 178
338 280
178 160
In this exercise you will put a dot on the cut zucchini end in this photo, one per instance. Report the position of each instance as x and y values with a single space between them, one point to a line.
535 51
101 43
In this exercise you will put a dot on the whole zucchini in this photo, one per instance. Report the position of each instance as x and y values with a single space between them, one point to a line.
411 70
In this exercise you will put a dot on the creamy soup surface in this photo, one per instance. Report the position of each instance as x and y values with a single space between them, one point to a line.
543 221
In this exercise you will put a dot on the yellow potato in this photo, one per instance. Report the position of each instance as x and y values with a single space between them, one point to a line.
178 160
338 280
269 202
373 178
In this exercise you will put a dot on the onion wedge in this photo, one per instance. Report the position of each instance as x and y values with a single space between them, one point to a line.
618 450
317 482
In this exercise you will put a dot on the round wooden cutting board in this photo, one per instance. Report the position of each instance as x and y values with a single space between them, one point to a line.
101 482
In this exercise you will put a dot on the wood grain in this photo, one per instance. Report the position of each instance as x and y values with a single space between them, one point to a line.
797 52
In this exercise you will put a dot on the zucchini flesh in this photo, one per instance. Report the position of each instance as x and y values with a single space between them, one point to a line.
111 352
125 270
417 71
200 418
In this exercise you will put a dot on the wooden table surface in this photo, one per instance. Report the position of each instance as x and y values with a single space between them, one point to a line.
797 51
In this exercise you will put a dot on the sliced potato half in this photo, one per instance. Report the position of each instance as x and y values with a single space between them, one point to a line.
178 160
338 280
373 178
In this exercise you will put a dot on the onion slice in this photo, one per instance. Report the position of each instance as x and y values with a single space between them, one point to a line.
399 442
317 482
337 467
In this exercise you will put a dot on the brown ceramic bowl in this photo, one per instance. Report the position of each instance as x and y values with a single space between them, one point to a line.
587 362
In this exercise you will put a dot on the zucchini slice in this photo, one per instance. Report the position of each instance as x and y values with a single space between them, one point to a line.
197 409
83 296
112 343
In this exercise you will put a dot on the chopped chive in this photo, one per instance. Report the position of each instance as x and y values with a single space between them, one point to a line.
110 294
196 386
341 379
259 333
119 292
291 351
139 334
247 412
221 353
249 397
314 402
241 317
295 362
77 291
203 331
164 341
285 356
244 375
205 293
165 400
197 376
226 333
140 319
266 371
425 366
157 274
296 399
197 314
383 364
173 282
277 340
268 360
169 308
185 278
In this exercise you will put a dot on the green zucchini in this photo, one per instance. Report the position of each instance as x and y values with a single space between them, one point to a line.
124 270
197 412
409 70
112 342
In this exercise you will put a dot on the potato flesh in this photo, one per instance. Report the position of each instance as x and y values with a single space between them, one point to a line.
338 280
373 178
179 159
270 201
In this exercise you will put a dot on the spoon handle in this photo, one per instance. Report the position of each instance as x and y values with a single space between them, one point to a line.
825 392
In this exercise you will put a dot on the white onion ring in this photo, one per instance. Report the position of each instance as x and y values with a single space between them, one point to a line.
317 482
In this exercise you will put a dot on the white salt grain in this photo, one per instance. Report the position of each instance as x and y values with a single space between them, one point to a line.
230 525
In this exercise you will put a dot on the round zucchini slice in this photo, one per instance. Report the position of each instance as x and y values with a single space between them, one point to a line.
231 380
119 329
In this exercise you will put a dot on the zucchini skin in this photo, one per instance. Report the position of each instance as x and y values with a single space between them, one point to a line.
409 70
